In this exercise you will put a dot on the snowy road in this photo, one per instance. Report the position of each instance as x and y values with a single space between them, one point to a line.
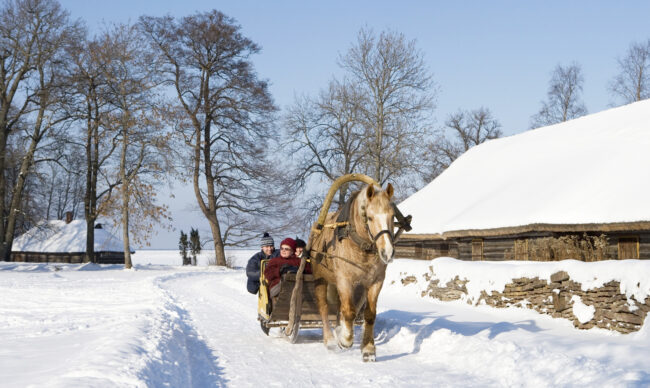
196 327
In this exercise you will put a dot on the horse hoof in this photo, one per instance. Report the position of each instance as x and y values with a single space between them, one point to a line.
331 344
343 343
369 357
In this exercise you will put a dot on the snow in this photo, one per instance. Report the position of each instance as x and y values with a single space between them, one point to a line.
581 311
57 236
169 325
588 170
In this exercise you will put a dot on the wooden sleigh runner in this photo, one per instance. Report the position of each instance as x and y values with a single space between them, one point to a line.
295 306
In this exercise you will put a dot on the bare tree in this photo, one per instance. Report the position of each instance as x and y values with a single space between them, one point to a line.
130 74
90 106
632 83
563 97
391 74
63 184
224 113
34 34
327 136
464 130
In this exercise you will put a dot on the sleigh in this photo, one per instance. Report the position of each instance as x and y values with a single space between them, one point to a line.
276 311
295 306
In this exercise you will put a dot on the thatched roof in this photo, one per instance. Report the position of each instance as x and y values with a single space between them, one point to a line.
57 236
587 174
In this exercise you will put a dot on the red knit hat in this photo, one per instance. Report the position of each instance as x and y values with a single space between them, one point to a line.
290 242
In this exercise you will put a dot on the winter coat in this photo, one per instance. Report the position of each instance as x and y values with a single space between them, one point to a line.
279 265
253 270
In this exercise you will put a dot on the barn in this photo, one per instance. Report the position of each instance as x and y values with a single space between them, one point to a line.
574 190
65 242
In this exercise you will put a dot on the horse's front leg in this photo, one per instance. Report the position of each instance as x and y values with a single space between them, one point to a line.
320 290
345 330
369 315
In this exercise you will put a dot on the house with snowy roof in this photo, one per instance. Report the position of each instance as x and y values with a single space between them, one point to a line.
64 241
578 189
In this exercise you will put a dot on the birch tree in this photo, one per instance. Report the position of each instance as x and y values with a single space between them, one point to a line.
464 130
563 97
327 135
399 97
632 83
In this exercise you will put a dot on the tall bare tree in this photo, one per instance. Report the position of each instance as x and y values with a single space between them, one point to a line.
632 83
563 97
91 108
464 130
327 135
34 34
224 113
130 74
390 72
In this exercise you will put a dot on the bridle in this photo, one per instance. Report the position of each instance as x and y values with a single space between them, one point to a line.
371 245
375 237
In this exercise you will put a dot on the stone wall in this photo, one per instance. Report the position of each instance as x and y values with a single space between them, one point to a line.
606 306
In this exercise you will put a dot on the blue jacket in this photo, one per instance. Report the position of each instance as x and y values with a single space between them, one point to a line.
253 270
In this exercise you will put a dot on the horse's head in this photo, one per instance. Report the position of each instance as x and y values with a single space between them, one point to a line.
379 220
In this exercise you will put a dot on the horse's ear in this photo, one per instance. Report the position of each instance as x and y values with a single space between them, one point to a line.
370 191
389 191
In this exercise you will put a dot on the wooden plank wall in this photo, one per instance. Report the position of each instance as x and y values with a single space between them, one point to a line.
72 258
425 250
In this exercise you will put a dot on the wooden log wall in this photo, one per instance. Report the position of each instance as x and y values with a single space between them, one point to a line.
64 257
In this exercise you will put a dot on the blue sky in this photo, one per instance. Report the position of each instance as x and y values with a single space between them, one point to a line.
497 54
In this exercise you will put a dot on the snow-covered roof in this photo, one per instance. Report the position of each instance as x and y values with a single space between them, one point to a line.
594 169
57 236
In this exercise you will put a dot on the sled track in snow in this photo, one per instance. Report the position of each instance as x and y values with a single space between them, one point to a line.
179 357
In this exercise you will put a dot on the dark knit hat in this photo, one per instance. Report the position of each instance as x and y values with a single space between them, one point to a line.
267 240
300 243
290 242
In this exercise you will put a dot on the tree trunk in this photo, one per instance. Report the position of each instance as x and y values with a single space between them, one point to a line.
17 192
125 201
125 229
90 200
209 210
3 191
219 252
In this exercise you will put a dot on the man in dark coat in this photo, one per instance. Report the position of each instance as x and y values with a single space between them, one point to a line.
253 267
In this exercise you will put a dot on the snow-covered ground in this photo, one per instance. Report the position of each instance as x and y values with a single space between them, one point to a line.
166 325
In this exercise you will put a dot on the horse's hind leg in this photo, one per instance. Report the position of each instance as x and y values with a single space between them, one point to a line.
320 290
369 315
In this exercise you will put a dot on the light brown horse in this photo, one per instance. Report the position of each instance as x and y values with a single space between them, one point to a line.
353 264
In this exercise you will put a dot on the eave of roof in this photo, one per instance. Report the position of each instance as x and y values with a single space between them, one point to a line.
532 228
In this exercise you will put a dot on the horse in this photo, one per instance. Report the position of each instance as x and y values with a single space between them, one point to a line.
354 265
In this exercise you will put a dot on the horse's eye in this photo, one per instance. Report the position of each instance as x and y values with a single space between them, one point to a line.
369 218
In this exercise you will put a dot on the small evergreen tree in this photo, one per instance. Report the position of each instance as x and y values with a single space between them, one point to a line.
183 244
195 244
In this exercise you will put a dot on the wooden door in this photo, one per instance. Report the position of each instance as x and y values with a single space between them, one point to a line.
521 249
477 249
628 247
